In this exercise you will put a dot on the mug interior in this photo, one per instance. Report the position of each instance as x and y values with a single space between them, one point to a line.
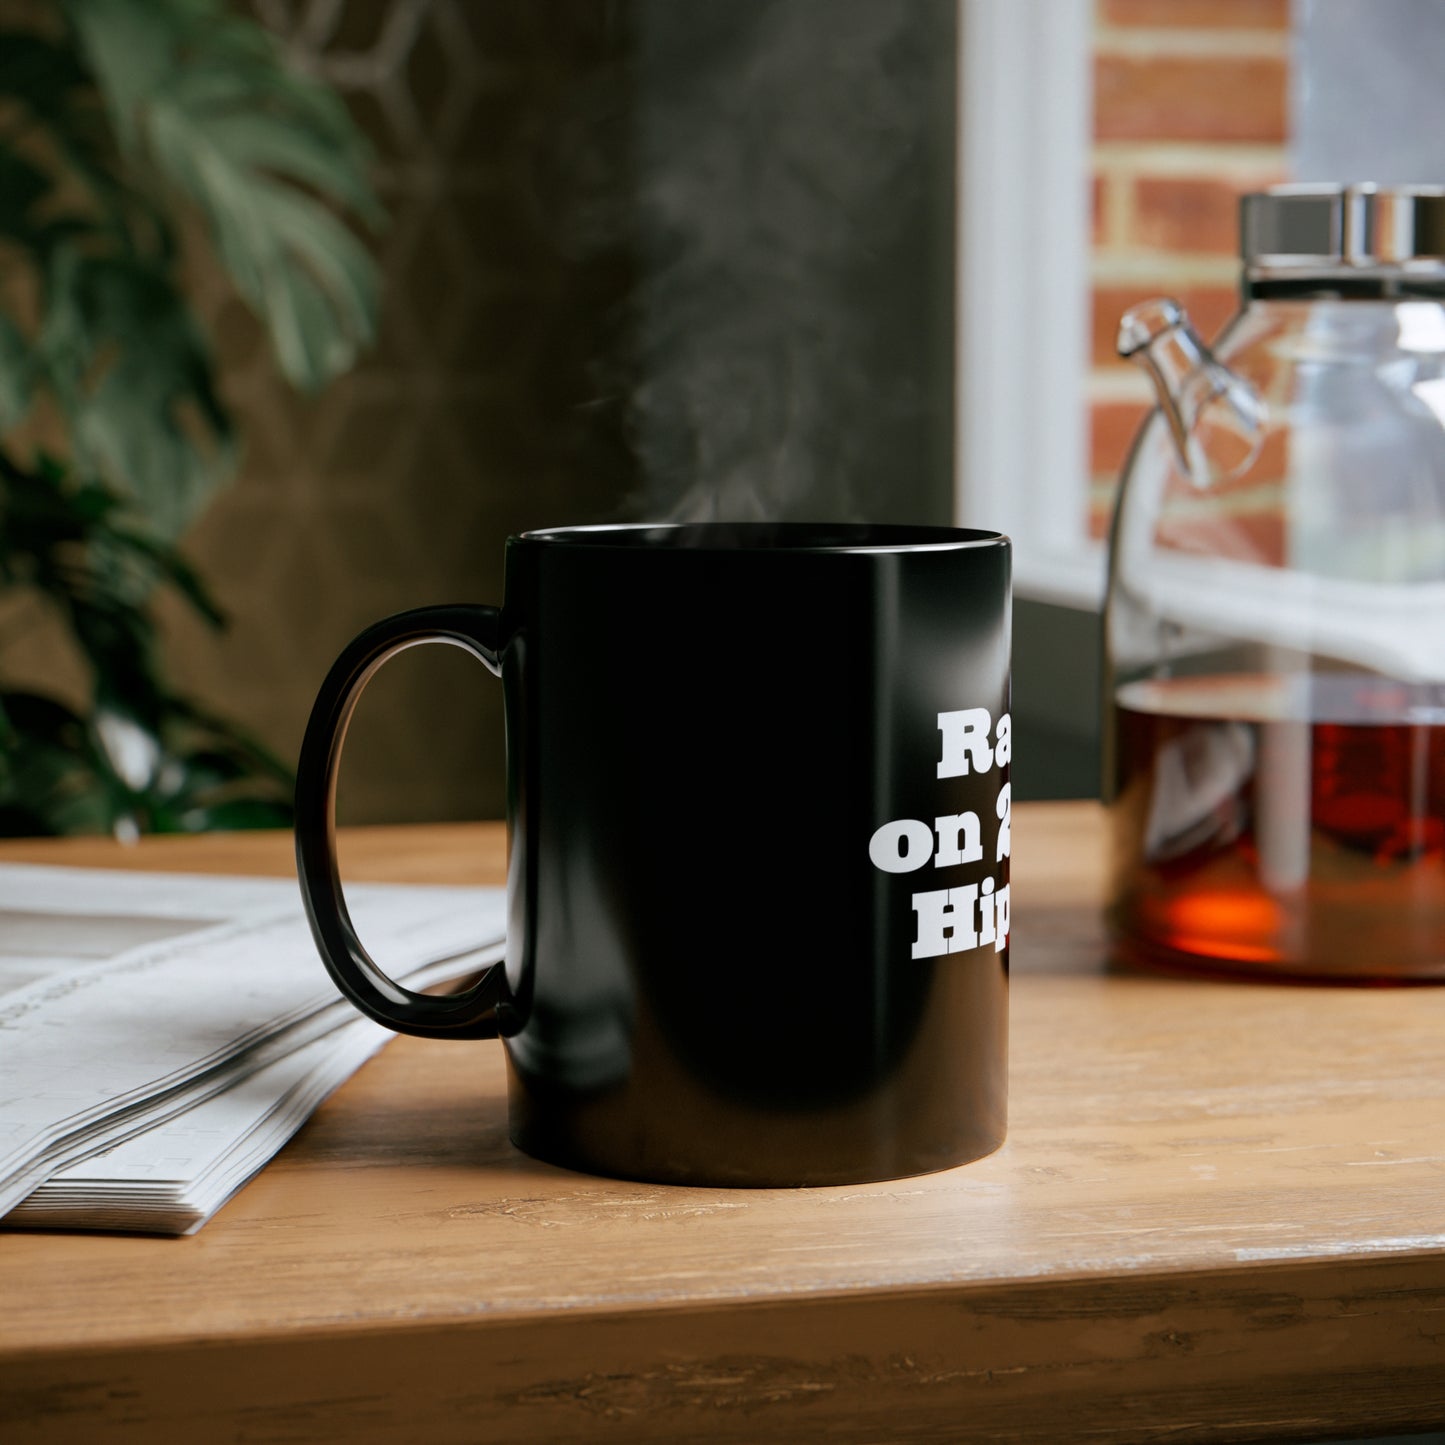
767 536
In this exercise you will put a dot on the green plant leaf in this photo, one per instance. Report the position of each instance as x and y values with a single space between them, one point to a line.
17 375
170 566
73 545
40 74
134 378
53 92
50 784
264 153
129 48
22 185
310 280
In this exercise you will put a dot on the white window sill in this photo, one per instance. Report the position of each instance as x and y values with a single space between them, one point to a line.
1063 578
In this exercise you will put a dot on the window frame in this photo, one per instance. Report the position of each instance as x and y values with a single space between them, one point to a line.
1025 122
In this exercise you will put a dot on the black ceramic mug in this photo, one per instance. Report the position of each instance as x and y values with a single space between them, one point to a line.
759 848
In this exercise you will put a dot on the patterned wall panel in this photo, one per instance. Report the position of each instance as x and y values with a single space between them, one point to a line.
475 417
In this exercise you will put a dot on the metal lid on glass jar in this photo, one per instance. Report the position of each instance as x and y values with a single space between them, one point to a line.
1376 239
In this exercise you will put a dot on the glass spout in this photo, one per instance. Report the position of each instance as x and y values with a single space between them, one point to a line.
1216 419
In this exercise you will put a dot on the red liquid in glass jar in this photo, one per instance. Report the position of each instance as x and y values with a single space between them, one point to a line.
1283 826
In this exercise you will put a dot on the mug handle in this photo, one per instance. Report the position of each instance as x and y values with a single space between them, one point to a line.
467 1015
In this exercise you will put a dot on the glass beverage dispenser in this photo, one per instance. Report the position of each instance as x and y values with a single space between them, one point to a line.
1275 623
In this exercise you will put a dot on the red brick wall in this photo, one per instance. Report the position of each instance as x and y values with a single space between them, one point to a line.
1190 111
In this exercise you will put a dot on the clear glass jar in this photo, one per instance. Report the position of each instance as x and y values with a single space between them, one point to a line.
1275 622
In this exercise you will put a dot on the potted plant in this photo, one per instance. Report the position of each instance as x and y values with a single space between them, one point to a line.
121 122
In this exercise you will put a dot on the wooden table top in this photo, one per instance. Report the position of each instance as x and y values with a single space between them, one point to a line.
1220 1214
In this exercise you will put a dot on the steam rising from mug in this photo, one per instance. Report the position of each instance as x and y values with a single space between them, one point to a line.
786 347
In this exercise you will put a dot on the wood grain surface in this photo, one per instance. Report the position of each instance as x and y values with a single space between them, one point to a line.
1220 1214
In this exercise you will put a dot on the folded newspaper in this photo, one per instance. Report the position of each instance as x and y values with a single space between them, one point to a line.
162 1034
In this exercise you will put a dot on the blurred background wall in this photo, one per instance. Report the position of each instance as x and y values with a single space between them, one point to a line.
673 258
1191 110
646 258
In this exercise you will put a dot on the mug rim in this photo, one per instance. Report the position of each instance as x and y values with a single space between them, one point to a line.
811 537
